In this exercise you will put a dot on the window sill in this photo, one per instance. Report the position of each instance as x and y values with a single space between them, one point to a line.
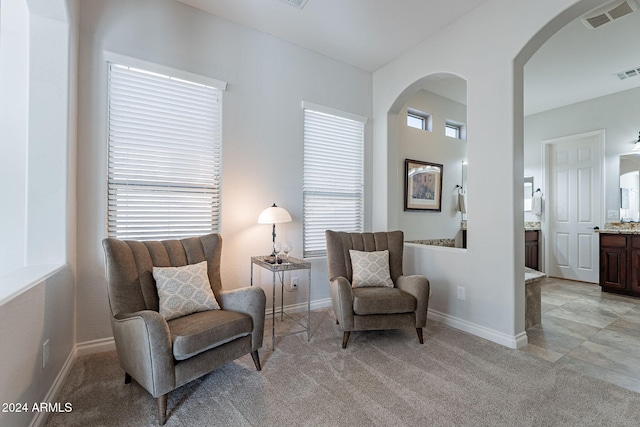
23 279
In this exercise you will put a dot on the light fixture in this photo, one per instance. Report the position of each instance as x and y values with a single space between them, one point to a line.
274 215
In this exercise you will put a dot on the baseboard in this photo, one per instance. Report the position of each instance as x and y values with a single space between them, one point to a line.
498 337
301 307
40 417
95 346
521 340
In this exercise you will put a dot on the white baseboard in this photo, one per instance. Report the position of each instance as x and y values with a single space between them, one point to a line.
81 349
517 341
95 346
40 417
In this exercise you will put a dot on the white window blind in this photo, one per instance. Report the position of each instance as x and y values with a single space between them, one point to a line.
333 177
164 155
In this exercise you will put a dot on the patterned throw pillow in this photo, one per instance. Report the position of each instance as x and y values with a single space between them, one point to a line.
370 269
184 290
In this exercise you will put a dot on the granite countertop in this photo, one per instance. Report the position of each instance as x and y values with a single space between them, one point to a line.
531 275
620 228
532 225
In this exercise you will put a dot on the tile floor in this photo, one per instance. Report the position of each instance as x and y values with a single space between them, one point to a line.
595 333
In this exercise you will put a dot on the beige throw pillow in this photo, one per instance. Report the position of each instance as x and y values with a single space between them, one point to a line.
370 269
184 290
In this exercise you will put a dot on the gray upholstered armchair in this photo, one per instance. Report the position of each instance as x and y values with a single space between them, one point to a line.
163 355
374 308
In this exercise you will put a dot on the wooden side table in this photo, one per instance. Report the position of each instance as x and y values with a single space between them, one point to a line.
279 270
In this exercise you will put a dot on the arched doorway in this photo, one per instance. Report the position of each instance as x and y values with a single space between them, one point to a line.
491 271
424 113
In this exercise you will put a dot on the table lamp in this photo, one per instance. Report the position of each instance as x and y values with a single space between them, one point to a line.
274 215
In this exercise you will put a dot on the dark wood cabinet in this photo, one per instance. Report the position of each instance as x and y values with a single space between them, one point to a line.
532 248
620 263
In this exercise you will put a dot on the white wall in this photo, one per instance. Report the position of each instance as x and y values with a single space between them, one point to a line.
618 114
14 86
262 131
37 293
488 48
433 147
43 312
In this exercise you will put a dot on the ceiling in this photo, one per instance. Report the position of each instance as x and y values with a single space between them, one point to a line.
579 63
364 33
576 64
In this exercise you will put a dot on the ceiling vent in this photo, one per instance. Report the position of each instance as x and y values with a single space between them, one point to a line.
623 75
609 13
296 3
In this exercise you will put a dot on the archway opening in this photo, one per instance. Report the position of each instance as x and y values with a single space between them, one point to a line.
429 125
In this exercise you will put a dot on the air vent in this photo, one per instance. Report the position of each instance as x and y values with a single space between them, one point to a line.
609 13
623 75
296 3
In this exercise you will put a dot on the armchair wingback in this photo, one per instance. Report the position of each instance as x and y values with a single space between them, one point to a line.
374 308
163 355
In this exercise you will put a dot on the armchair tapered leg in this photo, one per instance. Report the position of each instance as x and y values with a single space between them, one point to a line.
419 331
162 409
256 360
345 338
127 378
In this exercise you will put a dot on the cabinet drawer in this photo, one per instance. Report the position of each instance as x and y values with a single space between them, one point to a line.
635 242
613 241
532 236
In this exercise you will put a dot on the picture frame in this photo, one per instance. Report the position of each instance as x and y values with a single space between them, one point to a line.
422 186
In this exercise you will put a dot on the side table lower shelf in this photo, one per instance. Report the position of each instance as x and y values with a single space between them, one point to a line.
279 270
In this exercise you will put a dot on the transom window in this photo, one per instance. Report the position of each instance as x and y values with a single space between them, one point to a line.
455 130
418 119
452 131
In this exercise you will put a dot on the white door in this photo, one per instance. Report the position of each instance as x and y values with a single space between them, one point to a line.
574 205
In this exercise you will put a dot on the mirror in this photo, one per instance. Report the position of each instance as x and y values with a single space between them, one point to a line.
629 187
528 193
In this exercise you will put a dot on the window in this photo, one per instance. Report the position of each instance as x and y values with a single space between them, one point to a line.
415 121
164 154
454 130
333 175
418 119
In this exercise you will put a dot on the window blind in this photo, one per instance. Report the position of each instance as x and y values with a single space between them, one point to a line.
333 178
165 138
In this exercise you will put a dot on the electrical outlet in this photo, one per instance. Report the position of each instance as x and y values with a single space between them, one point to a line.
294 283
461 295
45 354
613 214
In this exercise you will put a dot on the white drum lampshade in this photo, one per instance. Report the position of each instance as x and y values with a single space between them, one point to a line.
274 215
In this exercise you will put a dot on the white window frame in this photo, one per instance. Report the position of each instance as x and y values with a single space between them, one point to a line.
164 165
424 117
333 181
459 128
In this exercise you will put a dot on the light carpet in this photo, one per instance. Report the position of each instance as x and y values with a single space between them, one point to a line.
383 378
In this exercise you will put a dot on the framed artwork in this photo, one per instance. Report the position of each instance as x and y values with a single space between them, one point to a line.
422 186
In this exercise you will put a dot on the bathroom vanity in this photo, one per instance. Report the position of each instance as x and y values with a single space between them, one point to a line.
532 245
531 248
620 261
